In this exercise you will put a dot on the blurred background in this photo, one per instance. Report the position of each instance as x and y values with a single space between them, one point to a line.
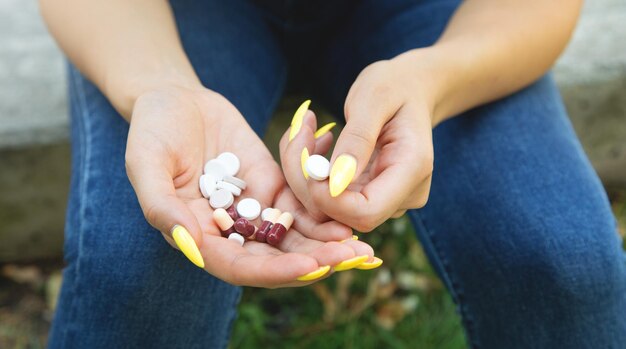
398 307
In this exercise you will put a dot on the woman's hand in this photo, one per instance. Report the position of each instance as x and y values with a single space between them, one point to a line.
173 132
383 160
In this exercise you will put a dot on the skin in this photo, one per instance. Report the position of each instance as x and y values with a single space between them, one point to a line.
176 125
394 104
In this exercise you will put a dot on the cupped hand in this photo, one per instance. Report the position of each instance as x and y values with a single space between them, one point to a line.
173 132
383 160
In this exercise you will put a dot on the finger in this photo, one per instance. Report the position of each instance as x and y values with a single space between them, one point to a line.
323 144
152 178
365 117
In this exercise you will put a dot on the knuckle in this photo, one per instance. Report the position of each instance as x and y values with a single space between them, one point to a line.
361 135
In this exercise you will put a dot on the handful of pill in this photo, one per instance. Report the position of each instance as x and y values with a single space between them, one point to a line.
219 185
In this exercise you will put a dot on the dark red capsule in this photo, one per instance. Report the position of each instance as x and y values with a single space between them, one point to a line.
261 234
276 234
244 227
232 212
228 232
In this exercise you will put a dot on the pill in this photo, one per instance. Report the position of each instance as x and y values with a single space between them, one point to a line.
265 212
235 181
271 215
236 237
249 209
232 212
317 167
230 162
244 227
235 190
279 229
224 222
221 198
216 169
207 185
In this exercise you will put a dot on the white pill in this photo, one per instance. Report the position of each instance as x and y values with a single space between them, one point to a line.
265 213
236 237
216 169
230 187
236 181
230 161
207 185
221 198
249 209
318 167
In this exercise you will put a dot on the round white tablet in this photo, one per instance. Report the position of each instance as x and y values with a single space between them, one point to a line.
265 212
230 161
216 169
318 167
230 187
221 198
236 181
236 237
207 185
249 209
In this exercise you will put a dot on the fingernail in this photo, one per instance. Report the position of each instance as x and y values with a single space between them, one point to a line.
304 156
341 174
354 237
324 129
298 117
377 262
315 274
351 263
185 243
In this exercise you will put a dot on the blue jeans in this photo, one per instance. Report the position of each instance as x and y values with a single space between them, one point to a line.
518 225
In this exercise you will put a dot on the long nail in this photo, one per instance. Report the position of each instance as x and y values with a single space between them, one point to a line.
351 263
304 156
185 242
354 237
377 262
341 174
324 129
315 274
298 117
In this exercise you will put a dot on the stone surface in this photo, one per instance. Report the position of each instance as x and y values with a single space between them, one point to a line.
34 151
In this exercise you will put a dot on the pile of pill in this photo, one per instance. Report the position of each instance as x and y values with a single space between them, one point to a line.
219 185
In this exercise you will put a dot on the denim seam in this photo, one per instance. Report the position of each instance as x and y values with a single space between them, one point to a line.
455 289
85 154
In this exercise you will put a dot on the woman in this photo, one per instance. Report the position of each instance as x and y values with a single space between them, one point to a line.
517 224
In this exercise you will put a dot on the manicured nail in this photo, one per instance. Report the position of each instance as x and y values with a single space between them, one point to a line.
341 174
304 156
377 262
324 129
185 242
354 237
351 263
315 274
298 118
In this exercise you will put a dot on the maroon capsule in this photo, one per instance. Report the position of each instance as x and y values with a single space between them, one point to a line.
270 219
279 229
244 227
232 212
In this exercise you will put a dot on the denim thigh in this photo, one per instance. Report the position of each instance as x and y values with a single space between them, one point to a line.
124 286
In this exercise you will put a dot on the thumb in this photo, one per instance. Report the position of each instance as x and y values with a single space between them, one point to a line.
364 121
162 208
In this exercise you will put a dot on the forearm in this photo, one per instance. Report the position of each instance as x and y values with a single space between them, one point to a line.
124 47
492 48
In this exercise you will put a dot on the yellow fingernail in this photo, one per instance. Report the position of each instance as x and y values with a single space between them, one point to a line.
324 129
315 274
370 265
351 263
354 237
185 242
298 117
304 156
341 174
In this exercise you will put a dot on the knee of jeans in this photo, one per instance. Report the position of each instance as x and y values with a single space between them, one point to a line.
577 267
